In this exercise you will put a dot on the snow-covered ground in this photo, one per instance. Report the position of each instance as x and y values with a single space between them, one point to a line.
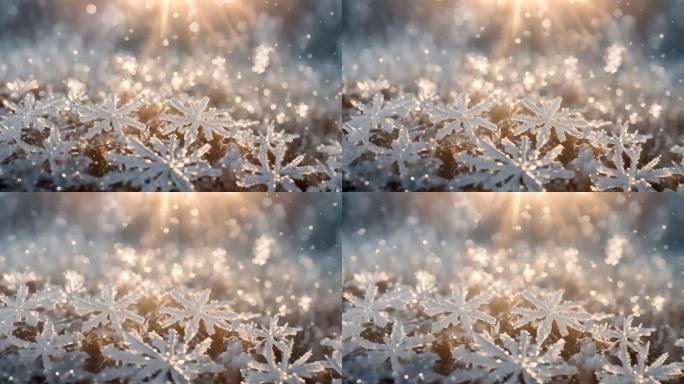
494 288
513 95
182 288
169 95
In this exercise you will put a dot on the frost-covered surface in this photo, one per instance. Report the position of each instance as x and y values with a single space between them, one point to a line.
513 288
591 89
169 95
182 288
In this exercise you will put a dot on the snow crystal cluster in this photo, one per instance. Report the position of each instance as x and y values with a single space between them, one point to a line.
465 308
212 95
495 95
173 305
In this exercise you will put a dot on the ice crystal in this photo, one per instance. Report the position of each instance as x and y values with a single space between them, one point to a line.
196 115
284 371
47 346
520 360
371 308
108 310
32 113
625 335
641 372
549 308
274 174
459 310
460 117
518 167
403 152
395 348
196 309
159 359
161 167
375 115
111 117
26 307
629 177
548 115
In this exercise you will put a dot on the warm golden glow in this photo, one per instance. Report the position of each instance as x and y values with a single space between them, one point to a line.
215 22
543 19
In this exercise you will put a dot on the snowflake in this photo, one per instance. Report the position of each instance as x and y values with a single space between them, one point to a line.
550 308
196 308
164 167
396 348
47 346
11 142
625 335
333 362
641 372
110 117
32 113
631 178
369 309
273 138
22 308
159 361
273 335
274 174
548 115
460 117
331 170
518 167
195 115
54 150
109 310
517 361
459 310
623 139
373 116
403 151
282 372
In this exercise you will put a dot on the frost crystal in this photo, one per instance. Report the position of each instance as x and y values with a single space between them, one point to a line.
196 308
517 168
631 178
403 152
282 372
48 346
110 117
518 361
163 167
459 310
160 360
655 373
546 116
274 174
550 308
32 113
460 117
108 310
25 307
395 348
369 309
375 115
625 335
195 115
274 335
